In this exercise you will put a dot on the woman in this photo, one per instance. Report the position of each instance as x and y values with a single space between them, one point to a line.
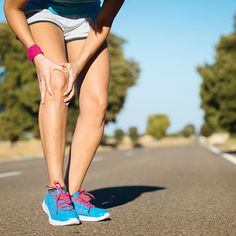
66 41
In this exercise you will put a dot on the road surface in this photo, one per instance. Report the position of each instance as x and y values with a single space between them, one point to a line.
183 190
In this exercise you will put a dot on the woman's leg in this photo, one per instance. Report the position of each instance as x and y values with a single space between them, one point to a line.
53 113
92 90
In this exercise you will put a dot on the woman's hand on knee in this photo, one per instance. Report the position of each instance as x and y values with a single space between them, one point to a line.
44 67
73 70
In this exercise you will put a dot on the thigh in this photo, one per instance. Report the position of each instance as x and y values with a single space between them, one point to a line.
93 81
51 40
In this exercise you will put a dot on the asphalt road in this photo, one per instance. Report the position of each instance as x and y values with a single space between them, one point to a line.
183 190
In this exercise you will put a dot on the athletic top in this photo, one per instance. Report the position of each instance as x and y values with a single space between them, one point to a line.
75 1
83 8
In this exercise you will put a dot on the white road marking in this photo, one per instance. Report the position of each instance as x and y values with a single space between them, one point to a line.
229 157
8 174
214 149
217 151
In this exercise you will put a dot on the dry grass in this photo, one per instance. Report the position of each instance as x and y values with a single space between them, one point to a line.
228 146
21 149
33 149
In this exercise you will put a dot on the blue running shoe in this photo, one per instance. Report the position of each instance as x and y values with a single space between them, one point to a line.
85 210
58 206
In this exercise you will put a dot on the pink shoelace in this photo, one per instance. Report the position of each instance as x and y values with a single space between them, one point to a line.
63 200
84 198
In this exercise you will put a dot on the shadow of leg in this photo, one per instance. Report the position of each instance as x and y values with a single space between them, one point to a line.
116 196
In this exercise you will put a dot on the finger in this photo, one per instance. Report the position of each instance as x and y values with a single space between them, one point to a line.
70 84
40 83
39 79
69 89
40 87
68 99
43 92
70 96
66 66
48 85
63 64
61 68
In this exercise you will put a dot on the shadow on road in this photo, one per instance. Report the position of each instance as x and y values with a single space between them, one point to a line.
116 196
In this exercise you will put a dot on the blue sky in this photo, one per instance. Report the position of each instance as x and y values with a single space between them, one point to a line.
169 39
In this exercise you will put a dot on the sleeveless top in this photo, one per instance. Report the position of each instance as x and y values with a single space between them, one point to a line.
75 1
80 8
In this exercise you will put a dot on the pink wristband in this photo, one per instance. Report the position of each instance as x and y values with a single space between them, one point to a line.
33 51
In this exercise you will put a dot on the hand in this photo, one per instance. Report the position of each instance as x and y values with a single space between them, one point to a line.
74 69
44 67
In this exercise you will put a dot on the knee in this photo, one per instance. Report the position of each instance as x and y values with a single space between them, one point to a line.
59 82
96 108
99 105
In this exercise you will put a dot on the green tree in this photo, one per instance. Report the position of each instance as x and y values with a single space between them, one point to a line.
20 95
118 135
157 125
18 89
133 134
206 130
188 130
218 88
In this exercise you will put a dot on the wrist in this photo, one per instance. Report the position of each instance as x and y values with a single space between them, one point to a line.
37 58
33 51
79 65
84 57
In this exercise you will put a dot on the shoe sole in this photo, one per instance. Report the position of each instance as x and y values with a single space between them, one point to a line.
89 218
71 221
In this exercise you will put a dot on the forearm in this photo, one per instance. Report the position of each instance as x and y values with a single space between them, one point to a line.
17 21
100 29
92 43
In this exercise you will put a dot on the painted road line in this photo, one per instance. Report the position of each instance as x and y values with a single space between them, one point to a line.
229 157
214 149
217 151
8 174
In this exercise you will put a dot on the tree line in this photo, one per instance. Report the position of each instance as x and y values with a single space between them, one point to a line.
157 126
20 94
218 88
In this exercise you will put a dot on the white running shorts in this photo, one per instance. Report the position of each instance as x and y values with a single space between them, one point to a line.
74 27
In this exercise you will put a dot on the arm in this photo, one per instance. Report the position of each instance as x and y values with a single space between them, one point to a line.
19 25
100 30
17 21
97 35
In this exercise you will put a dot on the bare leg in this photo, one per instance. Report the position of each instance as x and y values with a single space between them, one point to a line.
53 113
92 90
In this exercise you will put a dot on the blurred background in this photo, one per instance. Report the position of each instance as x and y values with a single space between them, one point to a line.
172 98
173 76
